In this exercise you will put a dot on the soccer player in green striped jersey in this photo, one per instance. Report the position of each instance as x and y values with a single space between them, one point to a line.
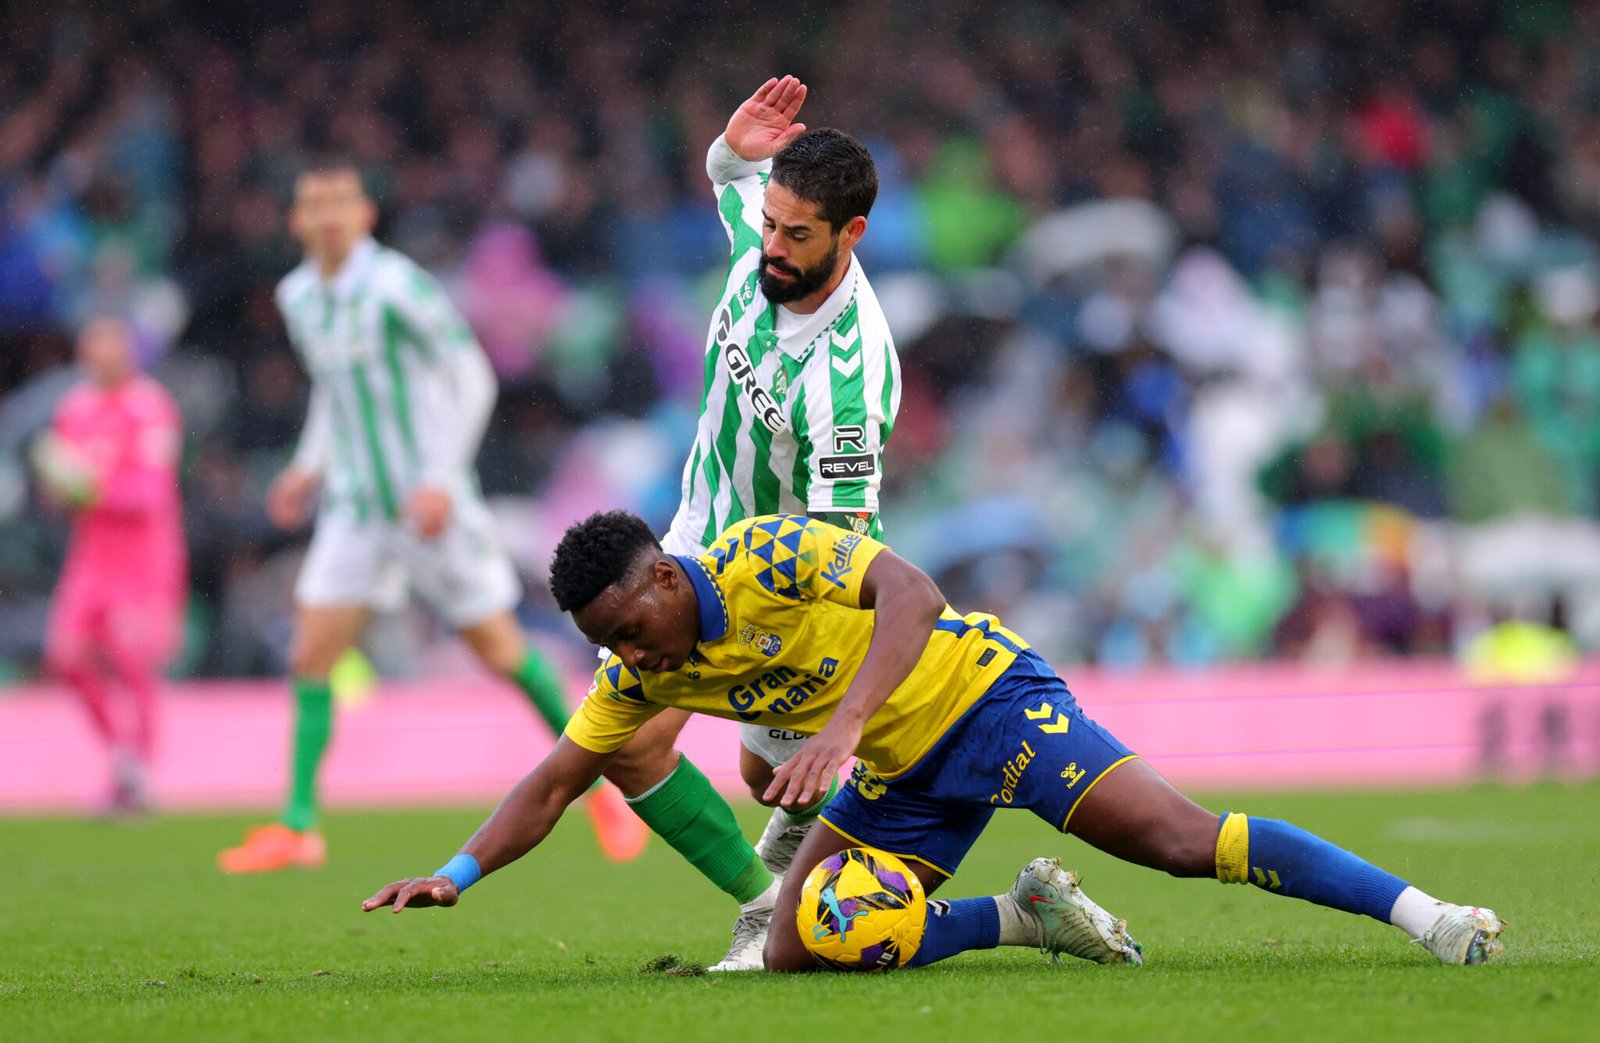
401 394
801 388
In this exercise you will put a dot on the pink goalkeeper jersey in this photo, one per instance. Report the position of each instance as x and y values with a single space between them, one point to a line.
128 544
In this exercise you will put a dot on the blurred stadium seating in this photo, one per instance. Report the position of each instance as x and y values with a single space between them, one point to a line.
1230 330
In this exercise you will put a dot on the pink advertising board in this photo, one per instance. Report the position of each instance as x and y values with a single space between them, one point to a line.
465 740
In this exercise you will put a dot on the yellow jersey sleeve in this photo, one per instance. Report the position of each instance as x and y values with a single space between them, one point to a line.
613 710
797 558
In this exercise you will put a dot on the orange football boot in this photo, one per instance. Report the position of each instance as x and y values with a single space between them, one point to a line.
621 833
267 849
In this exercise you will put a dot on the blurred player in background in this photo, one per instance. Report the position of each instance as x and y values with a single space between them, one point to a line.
401 395
111 457
801 389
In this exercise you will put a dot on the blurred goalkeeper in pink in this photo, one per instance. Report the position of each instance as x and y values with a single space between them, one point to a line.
111 457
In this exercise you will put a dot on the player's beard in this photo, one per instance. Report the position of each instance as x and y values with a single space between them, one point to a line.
803 282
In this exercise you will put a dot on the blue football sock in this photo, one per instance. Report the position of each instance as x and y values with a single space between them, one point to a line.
1287 860
956 926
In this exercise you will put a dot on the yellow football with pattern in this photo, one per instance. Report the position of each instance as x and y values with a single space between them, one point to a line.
862 910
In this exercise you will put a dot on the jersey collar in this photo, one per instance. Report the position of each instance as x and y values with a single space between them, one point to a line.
818 321
713 606
353 271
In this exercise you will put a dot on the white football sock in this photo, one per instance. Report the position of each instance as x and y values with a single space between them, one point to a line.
766 900
1017 925
1414 912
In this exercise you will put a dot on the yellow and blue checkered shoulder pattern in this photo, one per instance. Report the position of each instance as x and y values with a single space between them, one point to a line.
619 682
792 557
613 709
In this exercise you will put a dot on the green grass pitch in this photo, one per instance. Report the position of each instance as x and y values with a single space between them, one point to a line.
111 932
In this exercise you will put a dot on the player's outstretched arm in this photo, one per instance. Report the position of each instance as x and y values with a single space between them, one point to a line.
908 604
763 125
523 819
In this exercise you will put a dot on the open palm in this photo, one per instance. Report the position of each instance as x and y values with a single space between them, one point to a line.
764 123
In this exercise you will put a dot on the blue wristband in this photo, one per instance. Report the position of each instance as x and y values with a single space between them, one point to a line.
462 870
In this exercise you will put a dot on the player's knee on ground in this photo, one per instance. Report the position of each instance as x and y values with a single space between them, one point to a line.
781 959
784 953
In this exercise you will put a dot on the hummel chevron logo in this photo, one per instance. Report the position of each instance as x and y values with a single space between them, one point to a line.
846 368
1056 727
841 347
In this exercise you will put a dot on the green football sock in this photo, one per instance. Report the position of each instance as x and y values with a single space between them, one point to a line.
542 685
312 724
687 813
810 814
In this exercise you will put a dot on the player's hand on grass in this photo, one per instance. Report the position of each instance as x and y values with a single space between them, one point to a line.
764 124
417 891
805 777
289 498
428 510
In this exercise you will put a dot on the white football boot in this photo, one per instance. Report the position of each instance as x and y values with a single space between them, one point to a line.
1069 921
780 840
1464 934
750 933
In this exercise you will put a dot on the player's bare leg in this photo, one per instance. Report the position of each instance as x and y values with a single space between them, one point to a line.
73 660
785 829
757 774
322 634
499 644
650 756
677 801
1136 815
139 639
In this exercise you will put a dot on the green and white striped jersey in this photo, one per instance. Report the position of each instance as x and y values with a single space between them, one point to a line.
796 408
401 390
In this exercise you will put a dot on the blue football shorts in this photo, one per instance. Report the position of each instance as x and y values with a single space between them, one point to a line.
1024 744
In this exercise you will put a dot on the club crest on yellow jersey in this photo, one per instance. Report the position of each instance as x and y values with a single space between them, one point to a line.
766 642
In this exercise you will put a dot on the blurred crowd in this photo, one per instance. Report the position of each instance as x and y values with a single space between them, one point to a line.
1229 329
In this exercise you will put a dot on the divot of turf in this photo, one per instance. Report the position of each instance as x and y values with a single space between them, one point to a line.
670 963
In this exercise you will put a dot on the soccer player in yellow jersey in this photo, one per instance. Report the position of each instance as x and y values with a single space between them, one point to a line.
796 623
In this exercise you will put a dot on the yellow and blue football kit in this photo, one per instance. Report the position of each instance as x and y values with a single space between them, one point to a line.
981 722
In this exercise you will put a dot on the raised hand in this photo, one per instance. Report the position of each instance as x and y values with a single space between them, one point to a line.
764 124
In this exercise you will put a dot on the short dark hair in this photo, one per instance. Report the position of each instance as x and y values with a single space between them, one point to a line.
321 164
830 169
594 554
